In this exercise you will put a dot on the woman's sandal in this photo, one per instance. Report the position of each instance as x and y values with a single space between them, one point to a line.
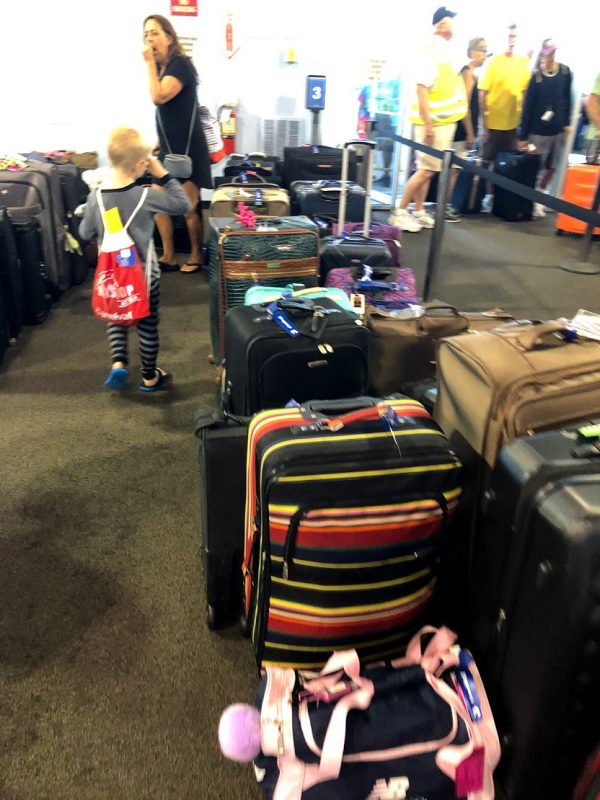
164 380
189 267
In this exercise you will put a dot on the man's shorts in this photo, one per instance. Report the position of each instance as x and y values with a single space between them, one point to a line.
443 136
499 142
548 148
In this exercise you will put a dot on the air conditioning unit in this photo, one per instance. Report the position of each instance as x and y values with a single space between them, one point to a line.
279 133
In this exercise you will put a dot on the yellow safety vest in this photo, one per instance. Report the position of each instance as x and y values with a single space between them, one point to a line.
447 98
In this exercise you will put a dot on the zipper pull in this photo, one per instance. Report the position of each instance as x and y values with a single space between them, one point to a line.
318 315
280 742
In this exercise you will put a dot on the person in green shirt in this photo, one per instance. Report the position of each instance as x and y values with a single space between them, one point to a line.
593 131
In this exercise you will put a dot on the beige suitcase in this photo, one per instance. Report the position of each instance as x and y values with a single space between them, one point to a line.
263 199
498 385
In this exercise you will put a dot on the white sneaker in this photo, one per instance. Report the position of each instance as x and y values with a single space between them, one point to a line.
404 220
538 211
486 203
424 219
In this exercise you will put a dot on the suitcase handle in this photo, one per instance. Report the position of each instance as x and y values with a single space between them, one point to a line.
343 406
533 336
371 145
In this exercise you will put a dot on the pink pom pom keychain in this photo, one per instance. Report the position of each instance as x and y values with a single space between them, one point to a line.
239 732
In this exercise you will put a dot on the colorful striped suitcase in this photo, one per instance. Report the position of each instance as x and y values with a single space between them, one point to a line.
279 251
345 515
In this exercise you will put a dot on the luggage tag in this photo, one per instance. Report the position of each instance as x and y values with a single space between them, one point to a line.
465 686
281 319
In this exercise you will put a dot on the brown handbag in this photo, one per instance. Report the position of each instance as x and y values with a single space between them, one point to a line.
404 350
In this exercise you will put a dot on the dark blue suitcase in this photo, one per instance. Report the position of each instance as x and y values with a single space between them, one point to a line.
469 191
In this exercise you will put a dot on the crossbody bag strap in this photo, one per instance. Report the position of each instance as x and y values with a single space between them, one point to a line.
189 139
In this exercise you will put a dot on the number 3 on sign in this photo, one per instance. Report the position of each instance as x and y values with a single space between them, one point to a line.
315 92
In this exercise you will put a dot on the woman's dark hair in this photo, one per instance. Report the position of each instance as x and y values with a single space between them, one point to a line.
175 48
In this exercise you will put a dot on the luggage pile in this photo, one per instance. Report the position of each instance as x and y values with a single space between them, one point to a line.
41 255
377 465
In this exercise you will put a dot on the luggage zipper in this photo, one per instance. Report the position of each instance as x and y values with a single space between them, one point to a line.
517 389
302 511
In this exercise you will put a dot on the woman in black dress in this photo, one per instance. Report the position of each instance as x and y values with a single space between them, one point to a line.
173 82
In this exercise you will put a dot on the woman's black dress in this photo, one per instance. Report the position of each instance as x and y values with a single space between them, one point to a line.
175 116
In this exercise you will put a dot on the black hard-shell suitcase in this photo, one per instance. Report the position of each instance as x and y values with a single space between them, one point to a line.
11 281
266 368
315 163
36 287
322 199
534 609
520 167
222 465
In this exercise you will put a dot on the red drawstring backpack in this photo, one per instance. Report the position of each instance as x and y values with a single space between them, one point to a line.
121 292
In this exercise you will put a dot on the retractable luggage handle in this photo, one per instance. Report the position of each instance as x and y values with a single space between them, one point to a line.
371 145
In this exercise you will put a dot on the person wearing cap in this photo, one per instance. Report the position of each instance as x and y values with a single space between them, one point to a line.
440 102
502 87
593 132
546 114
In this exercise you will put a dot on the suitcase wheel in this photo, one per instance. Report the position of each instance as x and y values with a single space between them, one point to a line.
211 618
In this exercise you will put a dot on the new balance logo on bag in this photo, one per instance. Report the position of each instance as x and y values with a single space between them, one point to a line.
394 789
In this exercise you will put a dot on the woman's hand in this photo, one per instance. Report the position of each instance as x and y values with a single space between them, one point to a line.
148 54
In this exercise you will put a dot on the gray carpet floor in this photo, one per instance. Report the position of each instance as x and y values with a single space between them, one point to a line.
111 686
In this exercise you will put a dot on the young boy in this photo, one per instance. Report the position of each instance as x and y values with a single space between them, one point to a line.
130 157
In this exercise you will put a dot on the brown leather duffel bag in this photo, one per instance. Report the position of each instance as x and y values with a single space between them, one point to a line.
404 350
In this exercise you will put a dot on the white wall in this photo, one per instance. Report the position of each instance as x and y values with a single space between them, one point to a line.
72 70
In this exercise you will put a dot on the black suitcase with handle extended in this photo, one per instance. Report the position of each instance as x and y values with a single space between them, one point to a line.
534 608
222 473
266 367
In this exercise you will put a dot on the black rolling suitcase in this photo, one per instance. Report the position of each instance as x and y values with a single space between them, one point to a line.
354 250
534 609
37 289
322 199
520 167
325 355
316 163
222 466
11 280
260 164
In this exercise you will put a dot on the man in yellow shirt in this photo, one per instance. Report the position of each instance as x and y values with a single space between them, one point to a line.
501 92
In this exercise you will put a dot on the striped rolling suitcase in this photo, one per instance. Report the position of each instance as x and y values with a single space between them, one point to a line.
278 252
346 505
264 199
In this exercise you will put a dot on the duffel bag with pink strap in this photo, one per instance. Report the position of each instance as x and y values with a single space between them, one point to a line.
419 728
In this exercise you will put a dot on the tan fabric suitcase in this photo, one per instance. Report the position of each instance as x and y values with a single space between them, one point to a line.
404 350
263 199
498 385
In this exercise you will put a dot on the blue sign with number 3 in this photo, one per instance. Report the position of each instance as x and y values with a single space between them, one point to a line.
315 92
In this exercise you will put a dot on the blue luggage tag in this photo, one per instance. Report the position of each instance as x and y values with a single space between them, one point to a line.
465 686
282 320
258 199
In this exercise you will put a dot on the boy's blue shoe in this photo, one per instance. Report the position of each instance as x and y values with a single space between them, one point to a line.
116 379
164 380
